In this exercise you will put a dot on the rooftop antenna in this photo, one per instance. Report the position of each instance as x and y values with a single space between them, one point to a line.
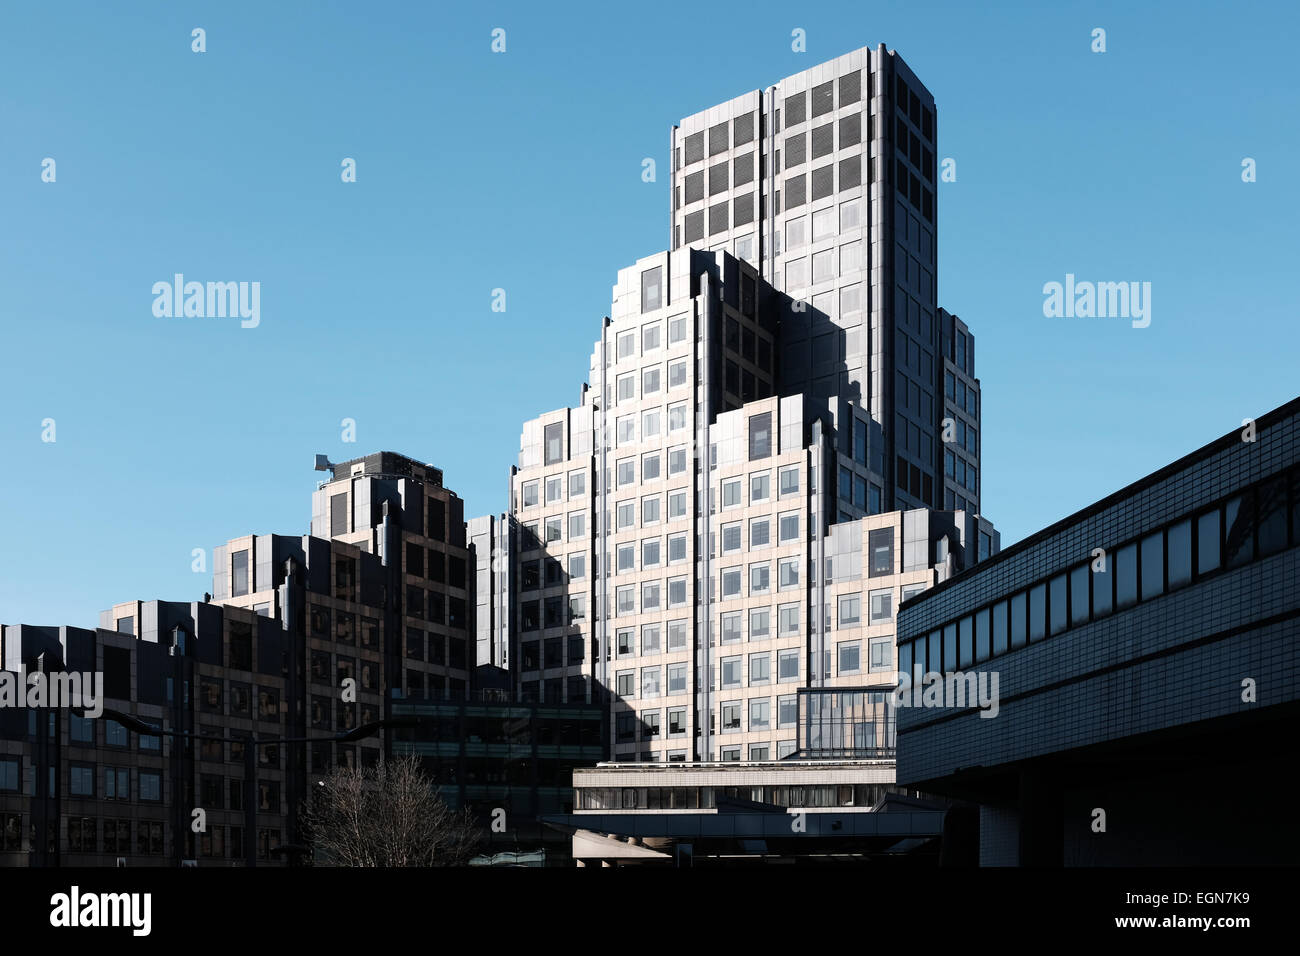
323 463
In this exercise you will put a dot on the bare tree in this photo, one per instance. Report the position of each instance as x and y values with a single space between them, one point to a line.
389 815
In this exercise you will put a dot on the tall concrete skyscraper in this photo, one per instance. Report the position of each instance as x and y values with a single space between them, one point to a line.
777 443
826 183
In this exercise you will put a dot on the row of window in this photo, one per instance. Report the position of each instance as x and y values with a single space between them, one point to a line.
82 779
443 651
653 381
342 627
962 472
1256 523
441 567
966 398
435 607
646 725
651 334
856 490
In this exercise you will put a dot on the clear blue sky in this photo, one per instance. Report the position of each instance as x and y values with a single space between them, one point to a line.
522 171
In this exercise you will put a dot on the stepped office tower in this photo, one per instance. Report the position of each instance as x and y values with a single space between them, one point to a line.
684 583
826 184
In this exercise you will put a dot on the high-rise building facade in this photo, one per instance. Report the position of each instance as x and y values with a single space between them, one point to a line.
682 585
825 182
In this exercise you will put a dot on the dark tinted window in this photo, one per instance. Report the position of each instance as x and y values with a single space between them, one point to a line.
1018 621
1126 585
1079 594
1208 531
1153 565
1037 612
1272 516
1000 627
1239 545
1059 603
1103 585
881 545
982 642
1180 554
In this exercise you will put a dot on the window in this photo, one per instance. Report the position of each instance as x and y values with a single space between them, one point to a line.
1079 594
626 515
577 565
850 609
81 780
731 583
731 537
650 552
880 544
759 533
787 616
1037 612
677 721
850 653
823 224
1239 541
553 531
882 606
760 487
796 233
788 573
626 345
731 627
676 548
577 525
787 711
731 723
787 666
577 483
731 494
676 504
1153 565
1126 591
624 683
760 668
677 635
1208 529
759 623
677 417
1019 620
676 379
150 787
649 596
650 682
760 578
760 713
81 730
760 436
626 600
554 439
1058 590
239 574
554 489
529 491
677 592
677 678
788 527
626 392
850 215
650 639
789 481
650 466
823 266
882 654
